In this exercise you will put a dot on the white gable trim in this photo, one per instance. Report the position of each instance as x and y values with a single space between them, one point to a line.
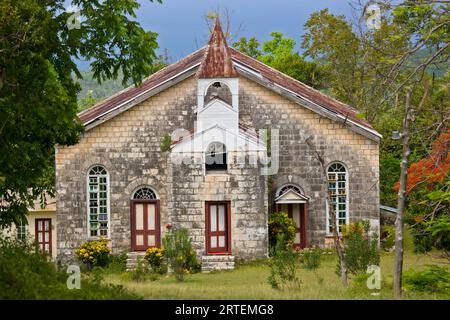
255 76
124 106
291 197
234 141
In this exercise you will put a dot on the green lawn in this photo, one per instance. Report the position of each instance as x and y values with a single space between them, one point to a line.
250 282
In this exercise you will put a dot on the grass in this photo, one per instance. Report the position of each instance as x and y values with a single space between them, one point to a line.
249 281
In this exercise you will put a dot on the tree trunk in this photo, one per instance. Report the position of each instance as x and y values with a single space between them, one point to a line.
398 270
331 211
337 241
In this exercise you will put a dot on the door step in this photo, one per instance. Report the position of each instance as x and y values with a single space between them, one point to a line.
132 259
215 263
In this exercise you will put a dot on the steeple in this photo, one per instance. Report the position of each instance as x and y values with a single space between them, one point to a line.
217 62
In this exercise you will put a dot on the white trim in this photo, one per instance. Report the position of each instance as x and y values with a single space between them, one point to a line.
108 203
300 198
347 199
140 94
253 72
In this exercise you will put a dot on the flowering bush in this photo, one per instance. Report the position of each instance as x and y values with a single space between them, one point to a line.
179 253
155 258
360 249
94 253
281 224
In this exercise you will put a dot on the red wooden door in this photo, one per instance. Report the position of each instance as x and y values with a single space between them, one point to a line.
218 228
145 226
43 234
297 212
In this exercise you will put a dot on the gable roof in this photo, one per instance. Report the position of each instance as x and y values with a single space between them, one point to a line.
217 62
243 65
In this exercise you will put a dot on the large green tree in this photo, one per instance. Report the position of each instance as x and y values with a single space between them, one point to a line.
39 45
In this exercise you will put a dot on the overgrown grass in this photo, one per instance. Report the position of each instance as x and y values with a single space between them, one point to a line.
249 281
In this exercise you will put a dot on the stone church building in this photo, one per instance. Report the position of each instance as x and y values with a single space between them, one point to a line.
240 147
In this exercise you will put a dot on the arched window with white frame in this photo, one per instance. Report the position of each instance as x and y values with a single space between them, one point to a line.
98 201
337 176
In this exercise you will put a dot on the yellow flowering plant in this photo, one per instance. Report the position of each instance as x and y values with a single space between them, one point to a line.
94 253
155 258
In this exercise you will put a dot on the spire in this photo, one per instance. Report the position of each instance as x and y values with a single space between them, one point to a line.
217 62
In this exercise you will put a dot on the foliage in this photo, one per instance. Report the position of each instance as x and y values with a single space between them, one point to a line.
434 233
38 94
179 252
117 263
387 237
310 258
434 279
93 92
283 264
281 224
155 258
27 273
433 169
279 54
94 253
360 250
140 270
166 143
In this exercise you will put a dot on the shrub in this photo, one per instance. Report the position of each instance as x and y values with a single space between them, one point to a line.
117 263
281 224
179 253
94 253
433 279
310 258
283 264
27 273
155 258
387 237
140 271
360 250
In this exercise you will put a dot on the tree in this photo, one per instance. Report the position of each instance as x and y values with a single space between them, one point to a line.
398 270
331 209
39 42
280 54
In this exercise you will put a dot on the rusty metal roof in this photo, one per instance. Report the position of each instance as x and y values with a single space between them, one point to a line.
217 62
206 59
148 83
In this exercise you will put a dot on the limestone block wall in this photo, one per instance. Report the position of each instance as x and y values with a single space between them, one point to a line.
128 146
243 186
264 108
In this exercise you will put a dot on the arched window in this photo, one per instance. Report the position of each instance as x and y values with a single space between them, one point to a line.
219 90
216 158
338 189
145 194
98 201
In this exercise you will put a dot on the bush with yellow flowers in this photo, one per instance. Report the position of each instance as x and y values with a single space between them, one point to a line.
94 253
155 258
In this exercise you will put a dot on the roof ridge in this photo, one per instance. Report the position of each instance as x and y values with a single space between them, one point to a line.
298 81
149 77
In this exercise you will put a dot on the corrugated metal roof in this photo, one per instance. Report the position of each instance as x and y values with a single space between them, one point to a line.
211 68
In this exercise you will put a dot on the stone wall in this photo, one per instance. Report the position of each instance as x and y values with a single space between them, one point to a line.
264 108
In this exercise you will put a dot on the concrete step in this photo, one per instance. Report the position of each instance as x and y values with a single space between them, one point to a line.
132 259
217 262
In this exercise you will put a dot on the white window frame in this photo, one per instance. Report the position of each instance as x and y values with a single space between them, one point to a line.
20 231
347 202
108 207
